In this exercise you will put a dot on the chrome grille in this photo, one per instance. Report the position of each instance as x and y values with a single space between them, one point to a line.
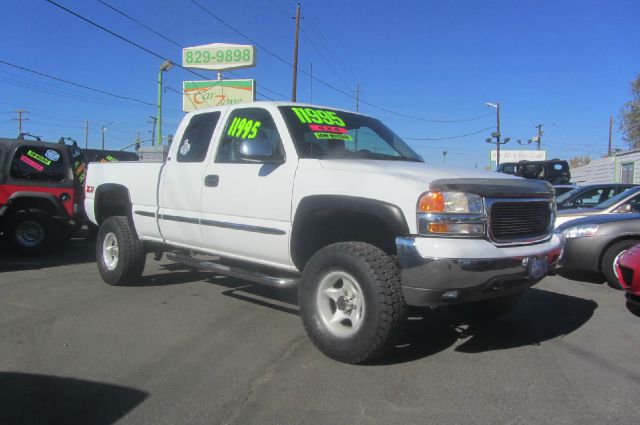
520 220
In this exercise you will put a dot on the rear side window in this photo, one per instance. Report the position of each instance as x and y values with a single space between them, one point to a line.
197 136
38 163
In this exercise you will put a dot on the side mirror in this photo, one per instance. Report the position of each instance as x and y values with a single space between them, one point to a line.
623 209
259 150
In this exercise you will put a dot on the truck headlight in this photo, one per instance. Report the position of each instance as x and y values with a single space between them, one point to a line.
451 213
580 231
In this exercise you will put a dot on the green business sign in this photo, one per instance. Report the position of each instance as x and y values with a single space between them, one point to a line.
219 56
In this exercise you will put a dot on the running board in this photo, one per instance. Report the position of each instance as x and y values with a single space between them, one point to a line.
250 275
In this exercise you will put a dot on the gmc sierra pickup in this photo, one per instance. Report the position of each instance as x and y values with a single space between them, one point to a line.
333 202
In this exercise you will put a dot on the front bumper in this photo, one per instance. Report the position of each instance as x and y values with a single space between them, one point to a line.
439 271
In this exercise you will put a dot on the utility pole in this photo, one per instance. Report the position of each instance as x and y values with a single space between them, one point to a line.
311 83
539 127
610 135
498 133
153 121
86 134
357 96
137 141
20 118
295 57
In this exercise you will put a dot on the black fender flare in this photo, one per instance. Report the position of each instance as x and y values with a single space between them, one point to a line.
105 190
55 202
314 205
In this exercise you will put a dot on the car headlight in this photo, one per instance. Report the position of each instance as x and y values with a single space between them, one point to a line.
451 213
580 231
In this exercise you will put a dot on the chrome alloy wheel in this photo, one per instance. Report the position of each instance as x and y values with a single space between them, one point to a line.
340 303
29 233
110 251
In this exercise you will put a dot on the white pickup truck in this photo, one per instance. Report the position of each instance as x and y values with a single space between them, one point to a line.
287 194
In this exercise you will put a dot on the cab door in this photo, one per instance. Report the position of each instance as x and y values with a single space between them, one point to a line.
181 181
246 205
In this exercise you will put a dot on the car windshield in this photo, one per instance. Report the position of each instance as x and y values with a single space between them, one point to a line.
619 197
322 133
565 196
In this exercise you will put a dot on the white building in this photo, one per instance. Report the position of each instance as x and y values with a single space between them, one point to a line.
621 167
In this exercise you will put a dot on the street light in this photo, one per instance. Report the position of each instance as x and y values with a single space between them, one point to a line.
165 66
103 129
444 157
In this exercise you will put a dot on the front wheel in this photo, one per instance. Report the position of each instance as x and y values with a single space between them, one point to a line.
350 302
609 259
119 252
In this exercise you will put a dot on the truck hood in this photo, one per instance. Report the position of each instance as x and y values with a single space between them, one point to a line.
417 171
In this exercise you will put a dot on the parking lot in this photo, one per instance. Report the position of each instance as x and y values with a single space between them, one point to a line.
189 347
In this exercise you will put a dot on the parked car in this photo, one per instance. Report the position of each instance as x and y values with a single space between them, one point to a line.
40 193
625 202
100 155
593 243
331 202
555 171
590 195
562 189
628 272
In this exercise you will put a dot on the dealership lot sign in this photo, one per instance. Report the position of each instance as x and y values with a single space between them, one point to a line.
202 94
516 156
219 56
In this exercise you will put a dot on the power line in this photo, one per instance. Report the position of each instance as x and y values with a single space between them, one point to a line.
139 46
139 23
280 58
42 74
449 138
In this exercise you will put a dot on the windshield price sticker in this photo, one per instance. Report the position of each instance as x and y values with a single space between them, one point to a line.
39 157
244 128
327 128
317 116
332 136
52 155
31 163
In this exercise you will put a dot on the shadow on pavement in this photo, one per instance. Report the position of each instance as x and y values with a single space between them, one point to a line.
41 399
540 316
76 251
582 276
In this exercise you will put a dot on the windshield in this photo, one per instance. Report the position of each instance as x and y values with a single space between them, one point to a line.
619 197
321 133
565 196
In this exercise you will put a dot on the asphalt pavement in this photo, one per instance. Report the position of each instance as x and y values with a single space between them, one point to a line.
189 347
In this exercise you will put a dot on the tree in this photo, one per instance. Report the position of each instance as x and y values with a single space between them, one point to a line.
630 112
579 161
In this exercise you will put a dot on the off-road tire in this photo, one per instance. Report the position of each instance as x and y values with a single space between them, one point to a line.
384 308
609 257
486 310
130 256
48 229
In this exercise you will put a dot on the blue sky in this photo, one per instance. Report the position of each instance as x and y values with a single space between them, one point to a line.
564 64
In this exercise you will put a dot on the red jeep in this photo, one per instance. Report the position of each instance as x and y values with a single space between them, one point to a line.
40 193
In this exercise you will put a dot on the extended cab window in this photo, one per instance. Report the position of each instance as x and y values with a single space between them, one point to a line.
325 133
247 124
39 163
197 136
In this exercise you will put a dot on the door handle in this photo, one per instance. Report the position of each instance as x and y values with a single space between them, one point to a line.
211 180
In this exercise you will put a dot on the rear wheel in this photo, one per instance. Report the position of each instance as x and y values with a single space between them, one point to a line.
609 258
119 252
350 302
31 232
